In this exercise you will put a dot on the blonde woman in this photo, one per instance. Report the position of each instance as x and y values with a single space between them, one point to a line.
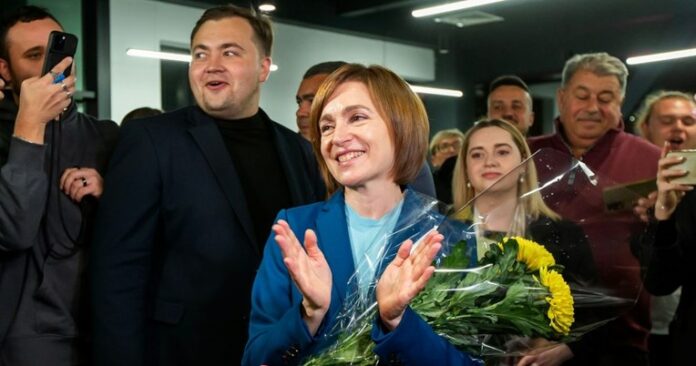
491 161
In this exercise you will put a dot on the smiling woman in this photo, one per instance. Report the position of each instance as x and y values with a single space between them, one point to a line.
370 135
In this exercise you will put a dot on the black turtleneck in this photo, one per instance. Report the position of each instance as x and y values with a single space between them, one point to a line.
250 144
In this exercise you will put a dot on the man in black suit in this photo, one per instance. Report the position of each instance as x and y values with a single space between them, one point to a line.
189 201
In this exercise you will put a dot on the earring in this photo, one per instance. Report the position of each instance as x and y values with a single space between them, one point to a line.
521 179
468 184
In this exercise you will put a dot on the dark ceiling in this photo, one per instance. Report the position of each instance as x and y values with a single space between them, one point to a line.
533 40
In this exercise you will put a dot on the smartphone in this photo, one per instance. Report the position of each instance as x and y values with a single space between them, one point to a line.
60 45
689 164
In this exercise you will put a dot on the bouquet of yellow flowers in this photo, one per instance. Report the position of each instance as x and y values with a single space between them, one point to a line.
517 289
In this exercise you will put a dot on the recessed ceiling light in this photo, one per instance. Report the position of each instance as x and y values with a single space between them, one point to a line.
663 56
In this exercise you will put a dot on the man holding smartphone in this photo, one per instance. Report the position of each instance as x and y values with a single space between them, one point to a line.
52 158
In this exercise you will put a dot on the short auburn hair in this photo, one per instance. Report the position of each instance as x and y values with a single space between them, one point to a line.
400 108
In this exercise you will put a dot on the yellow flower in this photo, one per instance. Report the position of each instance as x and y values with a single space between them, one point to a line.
531 253
561 312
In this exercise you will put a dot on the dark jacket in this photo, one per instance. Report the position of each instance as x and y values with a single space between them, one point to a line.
42 232
175 252
669 264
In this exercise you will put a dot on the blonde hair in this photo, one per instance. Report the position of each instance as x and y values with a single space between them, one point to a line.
462 192
646 110
444 134
401 109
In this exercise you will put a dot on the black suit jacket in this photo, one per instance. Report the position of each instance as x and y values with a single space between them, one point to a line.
668 255
175 253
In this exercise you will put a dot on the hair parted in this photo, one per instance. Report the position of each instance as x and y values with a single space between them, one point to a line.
401 109
533 205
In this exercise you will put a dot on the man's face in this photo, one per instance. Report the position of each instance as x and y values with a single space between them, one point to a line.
26 46
512 104
304 97
589 106
672 120
227 68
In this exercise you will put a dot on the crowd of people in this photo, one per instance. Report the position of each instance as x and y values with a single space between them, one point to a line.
163 243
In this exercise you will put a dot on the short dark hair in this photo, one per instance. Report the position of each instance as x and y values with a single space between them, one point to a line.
508 80
261 24
323 68
138 113
24 14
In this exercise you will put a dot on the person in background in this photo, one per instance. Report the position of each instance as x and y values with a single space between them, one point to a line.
491 157
192 196
52 159
138 113
590 129
369 133
666 117
444 148
509 99
311 80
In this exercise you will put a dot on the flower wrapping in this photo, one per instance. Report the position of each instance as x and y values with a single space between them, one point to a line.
515 294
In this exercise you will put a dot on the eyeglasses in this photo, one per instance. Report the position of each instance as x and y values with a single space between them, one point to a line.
456 145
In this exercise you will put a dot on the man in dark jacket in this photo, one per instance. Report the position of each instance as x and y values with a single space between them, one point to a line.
52 158
191 196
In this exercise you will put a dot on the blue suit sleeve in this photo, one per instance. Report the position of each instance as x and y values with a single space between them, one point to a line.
277 333
414 342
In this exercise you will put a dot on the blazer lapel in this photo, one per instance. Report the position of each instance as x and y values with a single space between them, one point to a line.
209 140
332 234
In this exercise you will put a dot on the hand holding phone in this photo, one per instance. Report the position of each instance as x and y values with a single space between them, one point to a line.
60 45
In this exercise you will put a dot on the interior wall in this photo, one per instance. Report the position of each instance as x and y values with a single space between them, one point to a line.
145 24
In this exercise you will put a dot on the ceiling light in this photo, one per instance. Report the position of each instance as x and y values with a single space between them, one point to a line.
437 91
170 56
267 6
664 56
183 57
450 7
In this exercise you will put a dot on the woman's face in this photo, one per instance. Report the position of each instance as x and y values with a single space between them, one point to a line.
355 142
490 155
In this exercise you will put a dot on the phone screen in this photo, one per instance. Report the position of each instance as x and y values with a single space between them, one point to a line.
60 45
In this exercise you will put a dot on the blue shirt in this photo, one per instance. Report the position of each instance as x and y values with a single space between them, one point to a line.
368 240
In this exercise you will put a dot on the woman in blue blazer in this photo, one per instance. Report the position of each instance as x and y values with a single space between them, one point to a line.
370 133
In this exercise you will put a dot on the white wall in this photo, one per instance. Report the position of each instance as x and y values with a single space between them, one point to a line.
145 24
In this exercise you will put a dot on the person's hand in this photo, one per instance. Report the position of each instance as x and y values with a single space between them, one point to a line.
547 354
2 86
644 207
669 194
405 277
79 182
309 270
41 101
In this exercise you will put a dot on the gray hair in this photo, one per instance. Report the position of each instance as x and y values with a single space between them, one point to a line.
601 64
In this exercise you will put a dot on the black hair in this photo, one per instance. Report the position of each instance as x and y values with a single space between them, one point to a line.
323 68
512 80
24 14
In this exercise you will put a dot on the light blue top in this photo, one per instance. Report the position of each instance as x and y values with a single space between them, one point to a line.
368 241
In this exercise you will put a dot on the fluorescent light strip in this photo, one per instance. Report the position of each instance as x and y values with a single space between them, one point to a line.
664 56
159 55
450 7
171 56
437 91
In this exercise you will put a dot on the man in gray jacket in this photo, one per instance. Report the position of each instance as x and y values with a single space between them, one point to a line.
51 159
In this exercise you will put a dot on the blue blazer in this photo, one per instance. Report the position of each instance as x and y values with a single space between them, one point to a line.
277 333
